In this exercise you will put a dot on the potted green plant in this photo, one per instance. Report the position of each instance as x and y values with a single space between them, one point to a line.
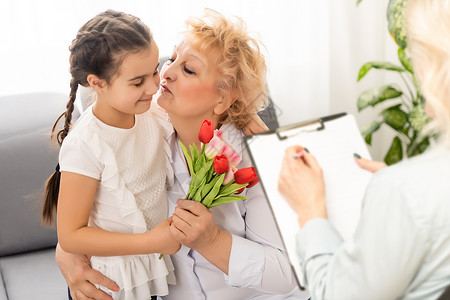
405 113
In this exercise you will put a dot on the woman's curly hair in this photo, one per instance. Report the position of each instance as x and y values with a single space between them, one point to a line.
239 60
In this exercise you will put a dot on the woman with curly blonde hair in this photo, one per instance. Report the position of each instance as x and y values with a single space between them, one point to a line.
232 251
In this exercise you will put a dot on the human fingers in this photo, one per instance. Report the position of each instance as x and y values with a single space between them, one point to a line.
369 165
293 152
79 295
179 219
194 207
98 278
176 233
311 161
95 277
78 273
184 214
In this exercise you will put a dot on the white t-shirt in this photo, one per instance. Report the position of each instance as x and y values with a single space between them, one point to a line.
131 167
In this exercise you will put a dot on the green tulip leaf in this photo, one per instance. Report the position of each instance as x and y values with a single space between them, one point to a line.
199 176
395 152
395 117
226 199
377 95
378 65
418 118
229 189
404 59
210 175
214 191
396 21
208 187
199 163
187 156
198 194
194 152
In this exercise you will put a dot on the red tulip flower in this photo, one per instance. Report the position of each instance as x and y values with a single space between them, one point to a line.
221 164
206 132
246 175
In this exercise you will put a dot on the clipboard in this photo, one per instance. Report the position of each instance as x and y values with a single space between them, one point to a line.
333 140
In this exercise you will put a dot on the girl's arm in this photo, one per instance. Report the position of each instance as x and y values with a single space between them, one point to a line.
76 198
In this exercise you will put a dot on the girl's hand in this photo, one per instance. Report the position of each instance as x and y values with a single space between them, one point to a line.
256 125
370 165
80 276
193 225
161 239
301 184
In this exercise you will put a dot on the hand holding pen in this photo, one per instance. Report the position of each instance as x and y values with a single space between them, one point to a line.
301 184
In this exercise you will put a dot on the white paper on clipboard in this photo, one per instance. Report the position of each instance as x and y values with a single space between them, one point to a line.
333 140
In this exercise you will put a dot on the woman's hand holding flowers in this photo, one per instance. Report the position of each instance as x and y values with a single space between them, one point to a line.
194 227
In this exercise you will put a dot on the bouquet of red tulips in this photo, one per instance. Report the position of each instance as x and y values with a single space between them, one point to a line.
215 179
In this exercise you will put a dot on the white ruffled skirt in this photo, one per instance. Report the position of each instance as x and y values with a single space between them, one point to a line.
139 276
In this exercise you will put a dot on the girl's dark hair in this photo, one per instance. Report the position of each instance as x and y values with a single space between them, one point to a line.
99 48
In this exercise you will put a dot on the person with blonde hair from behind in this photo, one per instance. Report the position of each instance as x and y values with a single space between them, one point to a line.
401 247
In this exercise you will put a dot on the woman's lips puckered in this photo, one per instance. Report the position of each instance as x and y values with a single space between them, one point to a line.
165 89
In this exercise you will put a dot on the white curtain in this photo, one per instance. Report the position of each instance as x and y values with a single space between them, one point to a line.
314 48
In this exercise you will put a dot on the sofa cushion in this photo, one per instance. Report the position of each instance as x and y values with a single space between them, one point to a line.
3 295
33 275
27 159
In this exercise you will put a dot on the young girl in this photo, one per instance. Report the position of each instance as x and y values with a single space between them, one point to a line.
111 175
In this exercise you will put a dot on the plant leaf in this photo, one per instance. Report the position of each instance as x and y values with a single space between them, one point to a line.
418 118
395 152
194 152
377 95
199 163
378 65
188 157
209 186
214 191
369 129
404 59
396 22
210 174
198 194
227 199
417 148
357 2
229 189
199 176
395 117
